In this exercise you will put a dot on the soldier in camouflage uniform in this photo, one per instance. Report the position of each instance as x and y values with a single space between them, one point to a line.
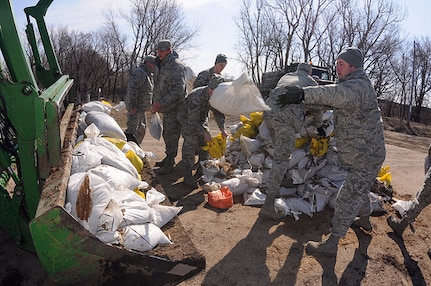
193 116
422 200
169 93
284 123
204 76
360 142
138 99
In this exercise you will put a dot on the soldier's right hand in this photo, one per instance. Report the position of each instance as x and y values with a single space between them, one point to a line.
156 107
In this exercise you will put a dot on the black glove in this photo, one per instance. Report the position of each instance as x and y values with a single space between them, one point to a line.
294 94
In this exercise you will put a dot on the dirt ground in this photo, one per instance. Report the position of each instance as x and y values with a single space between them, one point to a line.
242 249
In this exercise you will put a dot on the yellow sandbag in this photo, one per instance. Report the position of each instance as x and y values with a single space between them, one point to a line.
140 193
385 176
256 118
117 142
301 142
217 147
319 146
106 102
246 130
135 160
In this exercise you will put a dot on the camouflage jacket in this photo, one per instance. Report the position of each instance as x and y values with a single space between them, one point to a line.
194 111
170 85
140 88
357 122
203 77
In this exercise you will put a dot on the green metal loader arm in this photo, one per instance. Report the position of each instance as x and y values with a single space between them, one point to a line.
46 76
34 113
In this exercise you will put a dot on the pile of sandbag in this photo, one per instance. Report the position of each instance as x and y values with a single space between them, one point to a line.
310 183
105 191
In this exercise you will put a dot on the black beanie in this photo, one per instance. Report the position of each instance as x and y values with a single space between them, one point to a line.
352 56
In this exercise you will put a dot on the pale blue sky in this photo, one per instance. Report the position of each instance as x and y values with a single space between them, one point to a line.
218 32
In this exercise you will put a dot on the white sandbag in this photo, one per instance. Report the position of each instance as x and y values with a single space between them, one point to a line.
108 224
377 203
96 106
98 194
154 197
211 186
85 157
295 157
249 145
300 205
402 206
163 214
264 133
156 126
130 145
287 191
210 167
106 124
256 160
333 173
144 237
135 209
111 154
235 186
118 179
238 97
120 106
320 201
281 206
254 197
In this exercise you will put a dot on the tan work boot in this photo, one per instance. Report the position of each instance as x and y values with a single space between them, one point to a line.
364 223
327 247
268 209
398 226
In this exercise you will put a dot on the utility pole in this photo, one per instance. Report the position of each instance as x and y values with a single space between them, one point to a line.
413 83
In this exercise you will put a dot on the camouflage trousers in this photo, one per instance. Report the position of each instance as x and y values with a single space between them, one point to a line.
353 198
422 199
171 133
137 125
283 125
192 145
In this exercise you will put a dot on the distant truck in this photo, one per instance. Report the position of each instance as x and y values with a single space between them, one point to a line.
270 79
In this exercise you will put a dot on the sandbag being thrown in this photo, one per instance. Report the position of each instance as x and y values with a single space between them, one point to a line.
238 97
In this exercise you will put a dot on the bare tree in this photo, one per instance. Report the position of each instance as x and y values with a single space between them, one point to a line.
251 24
422 83
153 20
79 56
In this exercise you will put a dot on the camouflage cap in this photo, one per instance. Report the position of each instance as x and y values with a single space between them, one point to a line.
150 59
221 59
164 45
305 67
215 81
